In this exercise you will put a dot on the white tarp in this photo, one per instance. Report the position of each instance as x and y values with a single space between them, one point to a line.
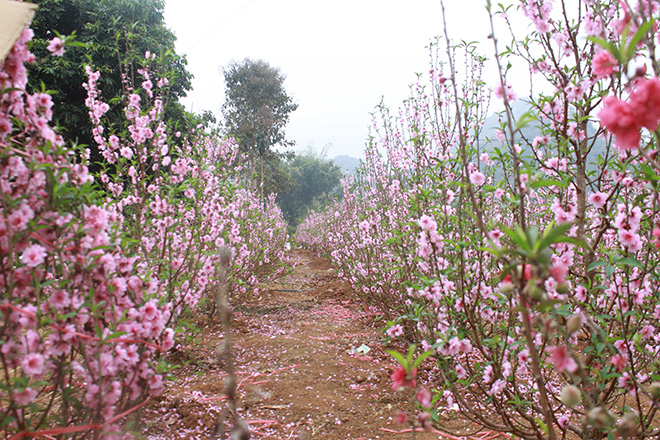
14 17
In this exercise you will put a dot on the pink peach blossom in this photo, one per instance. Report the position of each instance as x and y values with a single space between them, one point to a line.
477 178
56 46
424 397
597 199
645 102
33 365
604 64
561 359
25 397
395 331
620 118
34 255
401 378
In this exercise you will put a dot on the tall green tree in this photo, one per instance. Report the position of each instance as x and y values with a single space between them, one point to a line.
314 180
115 33
256 111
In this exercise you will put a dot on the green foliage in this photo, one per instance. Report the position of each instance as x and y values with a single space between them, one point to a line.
313 180
256 111
257 106
115 34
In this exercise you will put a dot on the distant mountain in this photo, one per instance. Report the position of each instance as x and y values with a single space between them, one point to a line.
347 164
530 131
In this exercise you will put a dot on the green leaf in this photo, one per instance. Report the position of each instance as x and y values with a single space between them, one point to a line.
604 317
630 262
649 173
609 271
492 251
421 358
399 357
519 236
525 119
573 240
116 335
411 353
595 264
609 46
77 44
552 235
7 420
641 32
532 234
548 182
520 252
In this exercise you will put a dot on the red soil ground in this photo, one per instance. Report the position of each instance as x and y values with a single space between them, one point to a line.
297 375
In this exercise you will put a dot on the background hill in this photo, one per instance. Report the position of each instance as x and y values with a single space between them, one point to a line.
346 163
489 141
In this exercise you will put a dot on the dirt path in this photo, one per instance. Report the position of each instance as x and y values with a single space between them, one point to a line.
300 373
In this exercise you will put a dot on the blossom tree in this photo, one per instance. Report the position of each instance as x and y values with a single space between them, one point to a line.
525 265
82 326
180 197
98 271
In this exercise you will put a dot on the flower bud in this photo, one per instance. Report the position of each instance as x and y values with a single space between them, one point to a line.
535 292
654 389
562 288
506 288
627 425
549 325
424 419
599 418
573 324
571 396
401 418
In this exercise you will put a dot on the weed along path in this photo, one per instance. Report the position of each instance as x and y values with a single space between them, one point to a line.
309 365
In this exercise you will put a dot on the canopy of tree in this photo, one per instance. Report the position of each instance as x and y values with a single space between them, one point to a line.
115 34
256 111
314 180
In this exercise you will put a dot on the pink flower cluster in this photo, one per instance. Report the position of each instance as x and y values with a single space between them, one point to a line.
624 119
402 379
538 11
79 308
604 64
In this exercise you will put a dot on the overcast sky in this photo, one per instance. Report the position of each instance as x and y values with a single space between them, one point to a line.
339 56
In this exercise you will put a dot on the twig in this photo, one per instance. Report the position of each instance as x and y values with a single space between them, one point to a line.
240 430
490 435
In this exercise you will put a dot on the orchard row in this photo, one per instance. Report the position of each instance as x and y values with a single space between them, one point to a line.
99 272
521 256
